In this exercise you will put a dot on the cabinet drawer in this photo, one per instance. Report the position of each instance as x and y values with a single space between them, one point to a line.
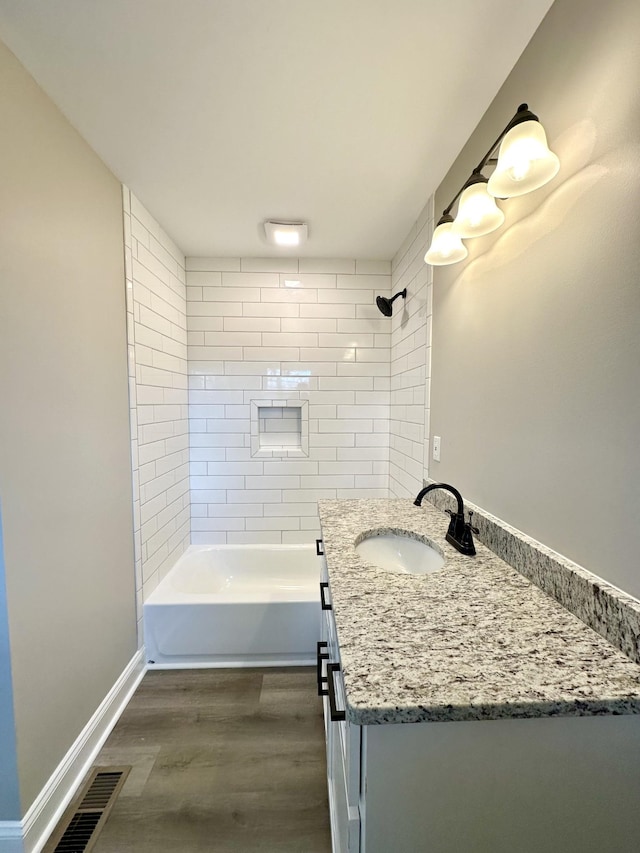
343 738
346 738
324 573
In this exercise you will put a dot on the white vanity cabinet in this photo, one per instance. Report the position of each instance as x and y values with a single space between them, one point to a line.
536 785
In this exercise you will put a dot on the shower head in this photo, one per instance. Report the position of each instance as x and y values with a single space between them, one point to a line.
384 304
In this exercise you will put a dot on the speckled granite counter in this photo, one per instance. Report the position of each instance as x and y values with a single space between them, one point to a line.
474 641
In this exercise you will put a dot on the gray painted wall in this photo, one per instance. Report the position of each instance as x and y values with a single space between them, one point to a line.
536 336
9 788
64 431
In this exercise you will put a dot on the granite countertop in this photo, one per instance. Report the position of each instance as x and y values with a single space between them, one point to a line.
475 640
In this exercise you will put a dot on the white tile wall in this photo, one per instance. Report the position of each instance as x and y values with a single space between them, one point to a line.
410 361
269 329
157 340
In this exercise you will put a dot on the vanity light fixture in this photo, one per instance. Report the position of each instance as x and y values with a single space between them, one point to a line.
286 234
446 246
524 163
478 213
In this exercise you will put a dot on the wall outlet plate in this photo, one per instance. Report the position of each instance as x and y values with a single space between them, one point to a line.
436 448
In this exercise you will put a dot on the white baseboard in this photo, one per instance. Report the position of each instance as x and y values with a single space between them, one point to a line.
41 819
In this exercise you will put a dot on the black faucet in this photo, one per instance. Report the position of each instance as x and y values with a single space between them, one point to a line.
459 532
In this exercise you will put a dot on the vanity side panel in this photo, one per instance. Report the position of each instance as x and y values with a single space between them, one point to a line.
535 786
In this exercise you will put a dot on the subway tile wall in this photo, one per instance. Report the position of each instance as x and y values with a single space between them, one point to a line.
268 331
411 361
157 339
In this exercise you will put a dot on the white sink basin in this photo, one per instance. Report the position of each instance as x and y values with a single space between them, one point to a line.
401 554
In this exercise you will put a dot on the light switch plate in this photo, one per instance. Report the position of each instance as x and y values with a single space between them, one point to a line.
436 448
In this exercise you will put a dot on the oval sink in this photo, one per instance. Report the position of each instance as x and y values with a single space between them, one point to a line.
401 554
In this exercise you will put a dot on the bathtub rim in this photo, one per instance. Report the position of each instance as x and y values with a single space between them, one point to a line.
237 662
165 594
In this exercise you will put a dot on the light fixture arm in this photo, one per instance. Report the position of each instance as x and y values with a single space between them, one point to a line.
522 114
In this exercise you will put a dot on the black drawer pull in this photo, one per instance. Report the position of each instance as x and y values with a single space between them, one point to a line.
336 715
322 679
319 548
323 603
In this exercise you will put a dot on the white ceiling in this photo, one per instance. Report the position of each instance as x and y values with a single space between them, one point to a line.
220 114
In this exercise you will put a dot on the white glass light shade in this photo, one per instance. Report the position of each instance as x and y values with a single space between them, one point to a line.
524 162
446 247
478 212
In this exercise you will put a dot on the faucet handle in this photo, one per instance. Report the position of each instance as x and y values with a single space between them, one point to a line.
471 527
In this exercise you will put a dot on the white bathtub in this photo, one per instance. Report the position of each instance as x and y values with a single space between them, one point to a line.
236 605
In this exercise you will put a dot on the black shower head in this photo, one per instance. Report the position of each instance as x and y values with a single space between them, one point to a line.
384 304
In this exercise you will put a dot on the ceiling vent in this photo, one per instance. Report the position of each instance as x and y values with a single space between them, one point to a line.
286 234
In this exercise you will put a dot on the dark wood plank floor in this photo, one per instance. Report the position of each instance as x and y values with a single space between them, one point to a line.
223 760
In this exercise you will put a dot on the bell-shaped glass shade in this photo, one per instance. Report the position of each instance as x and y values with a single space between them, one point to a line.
446 247
478 212
524 162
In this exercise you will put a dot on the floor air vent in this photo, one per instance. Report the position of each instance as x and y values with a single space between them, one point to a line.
81 824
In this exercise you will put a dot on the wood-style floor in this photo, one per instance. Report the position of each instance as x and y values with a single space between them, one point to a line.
223 760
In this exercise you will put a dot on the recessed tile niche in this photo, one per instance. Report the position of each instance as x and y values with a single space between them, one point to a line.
279 428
